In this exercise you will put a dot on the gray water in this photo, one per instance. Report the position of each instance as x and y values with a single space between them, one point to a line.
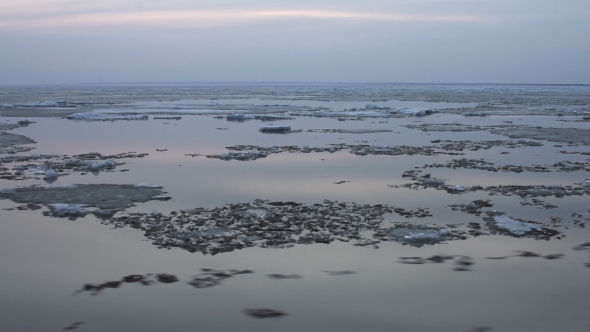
46 259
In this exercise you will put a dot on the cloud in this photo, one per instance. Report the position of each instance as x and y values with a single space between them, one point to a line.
219 17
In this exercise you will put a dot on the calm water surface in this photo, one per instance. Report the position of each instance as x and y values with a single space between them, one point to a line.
46 259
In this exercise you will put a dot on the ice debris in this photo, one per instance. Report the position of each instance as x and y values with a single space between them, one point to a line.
145 280
97 116
419 235
102 196
50 176
99 165
275 129
513 226
25 122
210 277
66 210
244 156
477 113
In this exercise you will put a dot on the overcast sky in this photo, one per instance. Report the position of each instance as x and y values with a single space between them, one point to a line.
452 41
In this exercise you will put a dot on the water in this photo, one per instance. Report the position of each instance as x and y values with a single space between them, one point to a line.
46 259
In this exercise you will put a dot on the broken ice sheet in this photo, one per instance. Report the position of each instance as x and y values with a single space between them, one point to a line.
98 116
419 235
210 277
67 210
102 196
515 227
461 263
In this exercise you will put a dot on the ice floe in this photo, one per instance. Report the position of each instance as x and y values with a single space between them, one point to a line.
275 129
102 196
50 175
513 226
477 114
247 155
96 116
419 235
99 165
61 209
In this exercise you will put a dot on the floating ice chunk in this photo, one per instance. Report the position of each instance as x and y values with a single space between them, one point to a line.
419 236
353 114
412 111
46 104
244 156
433 182
148 185
62 209
99 165
50 175
276 129
477 113
97 116
455 189
514 226
239 117
270 117
376 107
35 170
25 122
167 117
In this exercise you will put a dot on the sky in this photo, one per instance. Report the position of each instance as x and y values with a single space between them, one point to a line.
369 41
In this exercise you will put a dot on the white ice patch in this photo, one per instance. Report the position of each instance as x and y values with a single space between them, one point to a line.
420 235
50 175
240 117
148 185
477 113
67 209
514 226
99 165
412 111
35 170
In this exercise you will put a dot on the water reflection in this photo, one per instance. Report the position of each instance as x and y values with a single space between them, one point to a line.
73 326
146 280
264 313
211 277
461 263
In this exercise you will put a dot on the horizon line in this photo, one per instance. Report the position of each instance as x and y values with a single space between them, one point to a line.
290 82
